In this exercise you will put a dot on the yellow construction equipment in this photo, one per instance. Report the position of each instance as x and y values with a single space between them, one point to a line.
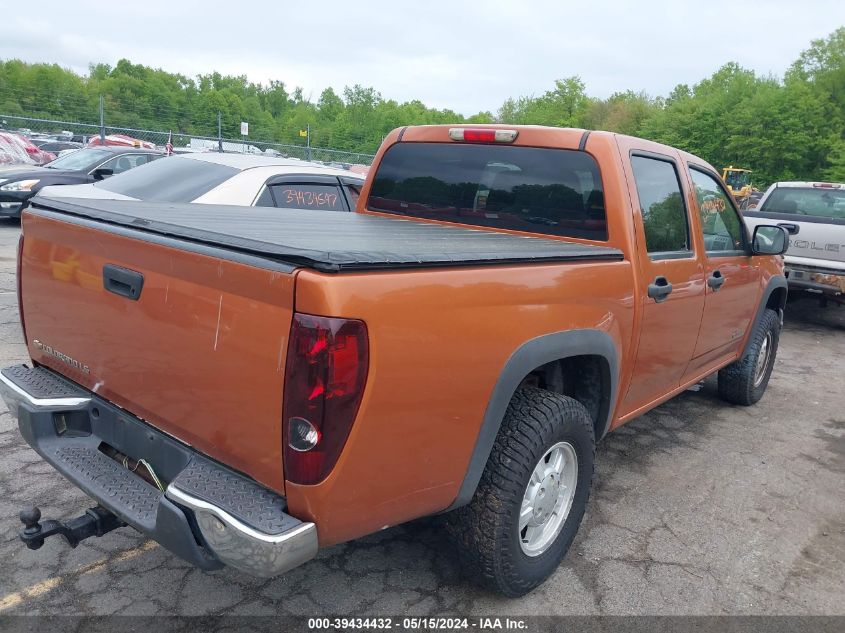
739 184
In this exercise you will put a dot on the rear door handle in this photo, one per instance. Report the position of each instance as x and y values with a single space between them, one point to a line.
123 282
659 289
715 280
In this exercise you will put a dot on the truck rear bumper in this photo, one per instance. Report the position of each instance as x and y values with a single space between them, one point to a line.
200 510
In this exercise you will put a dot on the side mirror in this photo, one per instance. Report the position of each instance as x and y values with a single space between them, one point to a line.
101 173
769 240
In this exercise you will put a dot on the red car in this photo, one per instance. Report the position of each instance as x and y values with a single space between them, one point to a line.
121 140
15 148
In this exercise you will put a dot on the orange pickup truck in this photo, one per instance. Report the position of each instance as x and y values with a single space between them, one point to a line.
245 385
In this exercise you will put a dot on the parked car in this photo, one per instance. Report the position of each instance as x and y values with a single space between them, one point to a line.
247 388
362 170
19 183
60 146
120 140
239 179
815 214
12 153
38 141
33 153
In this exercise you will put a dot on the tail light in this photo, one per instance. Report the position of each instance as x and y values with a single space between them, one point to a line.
325 375
482 135
19 287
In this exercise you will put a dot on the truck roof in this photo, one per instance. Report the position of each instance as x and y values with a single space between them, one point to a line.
324 240
808 184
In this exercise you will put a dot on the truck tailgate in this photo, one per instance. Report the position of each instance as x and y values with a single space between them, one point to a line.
199 353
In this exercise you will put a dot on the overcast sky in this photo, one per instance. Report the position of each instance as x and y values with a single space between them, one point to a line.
467 56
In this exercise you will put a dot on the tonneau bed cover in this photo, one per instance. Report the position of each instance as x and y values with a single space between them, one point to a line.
324 240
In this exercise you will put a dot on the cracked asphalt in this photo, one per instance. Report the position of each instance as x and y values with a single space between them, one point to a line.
698 508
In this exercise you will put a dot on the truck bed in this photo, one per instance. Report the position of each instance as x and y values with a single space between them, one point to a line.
324 240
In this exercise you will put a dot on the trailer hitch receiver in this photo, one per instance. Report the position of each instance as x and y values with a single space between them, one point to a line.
96 521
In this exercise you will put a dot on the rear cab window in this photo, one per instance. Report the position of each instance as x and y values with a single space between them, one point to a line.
826 201
537 190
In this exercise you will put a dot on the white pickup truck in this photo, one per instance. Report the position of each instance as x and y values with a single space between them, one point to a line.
814 214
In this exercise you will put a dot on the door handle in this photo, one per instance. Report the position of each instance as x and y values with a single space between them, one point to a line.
659 289
791 228
123 282
715 280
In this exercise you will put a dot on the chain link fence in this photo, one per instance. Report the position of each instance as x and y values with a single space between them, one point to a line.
86 132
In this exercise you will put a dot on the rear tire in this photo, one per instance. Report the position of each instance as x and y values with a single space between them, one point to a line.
744 381
540 430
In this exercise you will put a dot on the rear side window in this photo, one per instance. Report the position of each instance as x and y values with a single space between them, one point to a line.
549 191
171 179
819 202
662 206
308 196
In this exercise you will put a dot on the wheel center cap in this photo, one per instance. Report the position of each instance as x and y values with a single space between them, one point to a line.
545 498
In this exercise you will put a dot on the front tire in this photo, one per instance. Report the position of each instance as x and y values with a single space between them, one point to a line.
744 381
532 494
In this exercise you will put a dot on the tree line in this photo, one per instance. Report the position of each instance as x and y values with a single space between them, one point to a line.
783 128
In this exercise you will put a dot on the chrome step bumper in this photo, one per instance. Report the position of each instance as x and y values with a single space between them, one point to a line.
235 521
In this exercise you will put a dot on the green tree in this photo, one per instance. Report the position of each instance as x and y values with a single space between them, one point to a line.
562 107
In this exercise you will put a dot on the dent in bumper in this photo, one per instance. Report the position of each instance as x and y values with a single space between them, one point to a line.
244 548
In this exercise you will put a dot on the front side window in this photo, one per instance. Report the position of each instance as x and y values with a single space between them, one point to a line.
719 220
120 164
662 206
536 190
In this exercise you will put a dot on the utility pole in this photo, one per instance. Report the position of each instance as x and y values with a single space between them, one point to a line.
219 132
102 120
308 141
